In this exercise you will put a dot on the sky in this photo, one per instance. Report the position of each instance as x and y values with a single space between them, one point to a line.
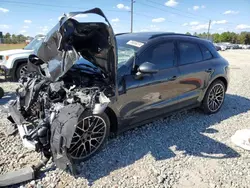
32 17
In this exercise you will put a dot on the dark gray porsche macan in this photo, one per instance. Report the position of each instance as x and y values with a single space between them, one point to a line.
85 83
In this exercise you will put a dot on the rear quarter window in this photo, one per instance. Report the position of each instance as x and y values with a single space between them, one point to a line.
206 52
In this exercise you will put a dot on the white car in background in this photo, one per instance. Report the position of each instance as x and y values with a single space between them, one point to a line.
246 47
223 47
13 63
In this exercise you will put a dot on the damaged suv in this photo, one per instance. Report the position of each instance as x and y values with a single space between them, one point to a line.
83 83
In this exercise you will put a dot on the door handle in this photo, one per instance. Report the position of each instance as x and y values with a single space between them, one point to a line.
173 78
209 70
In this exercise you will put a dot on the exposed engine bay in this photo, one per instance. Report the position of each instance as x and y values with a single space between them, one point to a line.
41 102
72 73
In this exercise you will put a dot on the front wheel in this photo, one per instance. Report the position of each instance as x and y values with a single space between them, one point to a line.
214 97
90 134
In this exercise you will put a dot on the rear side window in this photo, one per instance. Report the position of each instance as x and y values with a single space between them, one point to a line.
206 53
189 53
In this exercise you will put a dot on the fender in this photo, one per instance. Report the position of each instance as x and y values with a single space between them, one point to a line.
13 59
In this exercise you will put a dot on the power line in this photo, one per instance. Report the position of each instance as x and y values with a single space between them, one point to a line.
148 16
164 10
53 6
231 23
177 9
38 4
21 3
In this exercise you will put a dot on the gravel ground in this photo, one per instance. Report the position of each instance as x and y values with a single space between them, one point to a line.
187 149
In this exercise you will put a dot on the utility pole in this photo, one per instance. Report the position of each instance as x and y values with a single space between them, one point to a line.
208 30
132 12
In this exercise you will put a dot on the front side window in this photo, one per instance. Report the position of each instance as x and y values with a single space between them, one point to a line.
162 55
189 53
126 47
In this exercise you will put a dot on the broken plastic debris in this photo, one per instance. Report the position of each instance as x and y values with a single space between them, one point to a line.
241 138
100 107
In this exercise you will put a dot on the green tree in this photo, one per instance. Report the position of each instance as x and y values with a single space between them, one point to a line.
247 41
226 37
233 38
216 37
244 37
14 39
21 38
7 38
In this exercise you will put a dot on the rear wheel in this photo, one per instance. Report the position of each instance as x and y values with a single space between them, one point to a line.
90 134
214 97
21 70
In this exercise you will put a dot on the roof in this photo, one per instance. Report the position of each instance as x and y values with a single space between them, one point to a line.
145 36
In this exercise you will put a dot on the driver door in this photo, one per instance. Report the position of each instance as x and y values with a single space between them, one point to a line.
153 94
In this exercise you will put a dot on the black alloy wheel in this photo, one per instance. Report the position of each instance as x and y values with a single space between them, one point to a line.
90 134
214 97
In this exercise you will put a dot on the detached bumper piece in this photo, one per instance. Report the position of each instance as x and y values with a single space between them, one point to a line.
19 176
22 175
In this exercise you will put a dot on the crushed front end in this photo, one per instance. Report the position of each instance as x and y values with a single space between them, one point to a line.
71 74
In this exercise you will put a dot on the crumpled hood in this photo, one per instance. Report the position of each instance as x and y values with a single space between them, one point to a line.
70 40
14 52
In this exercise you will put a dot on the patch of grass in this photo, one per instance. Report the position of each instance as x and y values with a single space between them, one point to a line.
11 46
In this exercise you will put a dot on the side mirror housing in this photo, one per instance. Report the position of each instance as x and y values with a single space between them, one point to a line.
147 68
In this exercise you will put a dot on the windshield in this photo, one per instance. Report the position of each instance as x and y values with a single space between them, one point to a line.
34 44
126 48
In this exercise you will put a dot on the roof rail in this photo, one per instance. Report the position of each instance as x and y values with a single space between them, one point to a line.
166 34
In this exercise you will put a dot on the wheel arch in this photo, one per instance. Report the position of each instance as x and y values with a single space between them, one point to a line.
113 120
223 79
219 77
17 63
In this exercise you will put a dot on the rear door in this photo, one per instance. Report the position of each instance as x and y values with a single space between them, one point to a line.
195 68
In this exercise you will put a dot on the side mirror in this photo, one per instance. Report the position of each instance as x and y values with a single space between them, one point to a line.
147 68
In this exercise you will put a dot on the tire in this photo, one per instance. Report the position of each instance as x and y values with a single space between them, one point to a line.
20 71
1 92
85 116
214 97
